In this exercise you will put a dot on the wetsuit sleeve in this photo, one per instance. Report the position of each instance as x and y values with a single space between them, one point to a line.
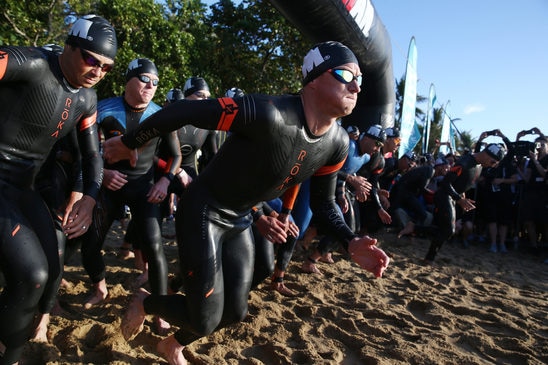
14 65
222 114
92 162
324 208
258 211
374 180
288 199
172 142
448 179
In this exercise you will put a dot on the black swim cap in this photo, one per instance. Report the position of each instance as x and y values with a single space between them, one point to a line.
495 151
194 84
174 94
140 66
324 56
392 132
377 133
95 34
234 92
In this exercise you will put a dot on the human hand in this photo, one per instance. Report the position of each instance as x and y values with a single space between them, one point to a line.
362 187
115 150
114 179
364 252
466 204
158 191
78 220
290 227
271 228
184 178
384 216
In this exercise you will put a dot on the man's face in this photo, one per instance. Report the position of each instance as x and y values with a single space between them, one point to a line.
392 144
339 95
199 95
141 89
88 67
370 145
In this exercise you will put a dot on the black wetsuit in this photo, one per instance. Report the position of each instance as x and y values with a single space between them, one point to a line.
38 108
269 149
116 117
407 191
462 177
372 170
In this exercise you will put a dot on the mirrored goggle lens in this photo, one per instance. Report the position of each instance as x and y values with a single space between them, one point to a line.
145 79
346 76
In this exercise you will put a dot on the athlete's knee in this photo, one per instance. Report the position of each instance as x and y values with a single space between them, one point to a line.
29 283
205 325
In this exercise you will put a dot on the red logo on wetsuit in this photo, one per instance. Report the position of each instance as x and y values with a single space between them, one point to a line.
3 63
230 109
294 170
65 114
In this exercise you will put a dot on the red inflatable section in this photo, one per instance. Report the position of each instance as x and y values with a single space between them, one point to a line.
356 24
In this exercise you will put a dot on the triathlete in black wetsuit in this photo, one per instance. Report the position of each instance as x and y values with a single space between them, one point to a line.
131 185
406 204
456 182
274 144
44 96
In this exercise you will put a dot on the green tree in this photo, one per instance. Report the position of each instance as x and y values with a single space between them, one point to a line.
144 28
33 23
254 48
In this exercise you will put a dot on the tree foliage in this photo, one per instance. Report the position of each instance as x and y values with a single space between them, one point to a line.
254 48
249 45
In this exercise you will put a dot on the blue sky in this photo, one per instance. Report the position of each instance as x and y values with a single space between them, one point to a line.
488 58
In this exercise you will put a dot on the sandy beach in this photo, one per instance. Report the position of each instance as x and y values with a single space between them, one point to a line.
473 307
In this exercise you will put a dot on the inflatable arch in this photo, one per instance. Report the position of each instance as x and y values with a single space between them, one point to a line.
356 24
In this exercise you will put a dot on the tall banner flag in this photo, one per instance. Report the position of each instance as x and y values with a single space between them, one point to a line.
409 130
447 134
429 117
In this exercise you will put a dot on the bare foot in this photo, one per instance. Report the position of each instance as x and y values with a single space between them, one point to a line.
408 229
100 294
310 267
279 286
327 258
125 253
41 330
172 351
162 326
134 318
65 284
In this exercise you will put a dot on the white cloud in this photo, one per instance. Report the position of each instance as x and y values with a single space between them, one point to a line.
474 108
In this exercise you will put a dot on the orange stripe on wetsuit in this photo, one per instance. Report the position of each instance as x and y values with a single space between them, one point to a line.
3 63
230 109
290 196
326 170
88 121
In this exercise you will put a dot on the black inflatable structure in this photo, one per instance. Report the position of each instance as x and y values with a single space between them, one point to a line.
356 24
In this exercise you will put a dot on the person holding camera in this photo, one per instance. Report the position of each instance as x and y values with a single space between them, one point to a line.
497 194
533 212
